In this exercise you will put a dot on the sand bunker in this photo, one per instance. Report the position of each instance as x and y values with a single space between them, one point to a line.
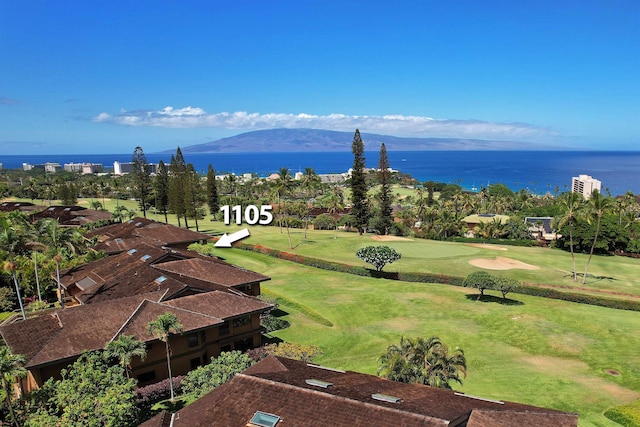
501 263
390 238
485 246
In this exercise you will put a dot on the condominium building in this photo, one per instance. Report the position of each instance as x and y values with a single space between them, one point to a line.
585 184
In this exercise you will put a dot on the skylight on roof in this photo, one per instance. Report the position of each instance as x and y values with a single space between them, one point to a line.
385 398
138 224
118 240
130 221
160 279
318 383
132 251
145 257
67 209
51 209
263 419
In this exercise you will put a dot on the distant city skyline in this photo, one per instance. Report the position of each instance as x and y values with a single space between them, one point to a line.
104 77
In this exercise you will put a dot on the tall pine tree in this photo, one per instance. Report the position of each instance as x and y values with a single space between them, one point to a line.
385 220
141 178
359 202
213 199
162 189
177 172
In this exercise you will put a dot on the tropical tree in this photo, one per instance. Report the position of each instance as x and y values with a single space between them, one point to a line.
91 393
124 348
161 328
59 239
13 243
11 368
596 207
571 203
480 280
221 369
359 201
378 256
282 187
423 361
506 285
310 181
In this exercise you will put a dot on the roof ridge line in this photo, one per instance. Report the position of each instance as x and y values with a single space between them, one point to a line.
188 311
128 319
334 396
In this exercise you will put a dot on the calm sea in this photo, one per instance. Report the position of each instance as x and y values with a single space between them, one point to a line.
537 171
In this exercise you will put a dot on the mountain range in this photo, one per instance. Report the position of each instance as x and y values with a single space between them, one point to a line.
309 140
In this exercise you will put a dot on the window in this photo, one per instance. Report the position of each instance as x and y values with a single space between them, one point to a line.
147 376
145 257
243 345
194 363
132 251
203 337
241 321
224 328
192 340
160 279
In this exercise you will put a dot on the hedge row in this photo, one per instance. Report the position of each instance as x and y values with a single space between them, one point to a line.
626 415
505 242
438 278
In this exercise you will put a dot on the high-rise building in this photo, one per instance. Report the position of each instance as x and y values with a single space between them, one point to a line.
585 184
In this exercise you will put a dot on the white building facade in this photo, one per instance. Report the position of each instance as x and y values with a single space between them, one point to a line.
585 184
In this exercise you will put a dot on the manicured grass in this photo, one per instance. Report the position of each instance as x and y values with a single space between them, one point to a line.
606 273
537 351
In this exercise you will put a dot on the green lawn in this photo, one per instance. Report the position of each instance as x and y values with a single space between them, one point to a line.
538 351
606 273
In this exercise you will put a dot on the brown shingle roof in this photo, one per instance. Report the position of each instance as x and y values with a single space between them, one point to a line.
141 228
128 274
71 215
278 386
221 274
68 332
225 305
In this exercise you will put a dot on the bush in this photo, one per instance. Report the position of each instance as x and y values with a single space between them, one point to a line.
626 415
271 323
158 391
221 369
324 222
303 352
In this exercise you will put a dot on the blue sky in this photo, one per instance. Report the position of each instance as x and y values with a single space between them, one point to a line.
103 77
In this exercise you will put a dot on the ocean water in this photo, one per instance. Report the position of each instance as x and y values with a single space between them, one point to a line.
536 171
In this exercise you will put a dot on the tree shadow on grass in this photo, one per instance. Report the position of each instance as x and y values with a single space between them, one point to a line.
278 312
270 339
494 299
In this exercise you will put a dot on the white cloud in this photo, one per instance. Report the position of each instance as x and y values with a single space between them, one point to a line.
397 125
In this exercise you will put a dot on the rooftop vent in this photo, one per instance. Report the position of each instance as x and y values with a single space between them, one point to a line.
130 221
385 398
138 224
118 240
4 204
67 209
51 209
132 251
160 279
263 419
486 215
145 257
17 204
319 383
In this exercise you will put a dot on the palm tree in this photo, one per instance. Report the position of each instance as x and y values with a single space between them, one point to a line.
282 186
58 239
11 368
423 361
13 244
596 207
161 328
571 204
310 181
124 348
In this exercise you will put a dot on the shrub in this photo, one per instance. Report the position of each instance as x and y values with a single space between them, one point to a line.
480 280
291 350
626 415
158 391
324 222
221 369
272 323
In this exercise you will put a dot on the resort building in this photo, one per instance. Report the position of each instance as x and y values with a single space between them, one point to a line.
585 184
283 392
120 168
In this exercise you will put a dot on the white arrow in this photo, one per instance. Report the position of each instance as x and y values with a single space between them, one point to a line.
226 240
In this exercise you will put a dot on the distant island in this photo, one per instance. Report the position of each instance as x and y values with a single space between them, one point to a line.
309 140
